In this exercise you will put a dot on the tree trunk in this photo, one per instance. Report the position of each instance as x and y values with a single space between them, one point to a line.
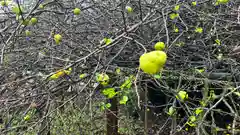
112 120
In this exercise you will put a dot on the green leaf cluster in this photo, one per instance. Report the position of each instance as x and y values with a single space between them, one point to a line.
109 92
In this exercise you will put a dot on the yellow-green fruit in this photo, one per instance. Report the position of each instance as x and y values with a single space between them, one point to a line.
28 33
152 62
76 11
194 3
41 6
57 38
159 46
33 20
176 30
129 9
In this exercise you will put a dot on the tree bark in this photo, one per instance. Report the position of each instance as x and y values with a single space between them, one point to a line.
112 120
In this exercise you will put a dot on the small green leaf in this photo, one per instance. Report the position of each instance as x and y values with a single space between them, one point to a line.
157 76
192 118
129 9
82 76
102 78
201 70
123 100
203 103
27 117
102 108
194 3
173 15
107 91
218 42
176 30
182 95
198 110
199 30
171 111
177 7
108 105
118 70
127 83
107 41
27 33
180 44
191 121
112 94
25 22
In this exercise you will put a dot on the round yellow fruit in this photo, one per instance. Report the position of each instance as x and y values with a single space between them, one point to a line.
33 20
41 6
152 62
28 33
194 3
57 38
159 46
76 11
129 9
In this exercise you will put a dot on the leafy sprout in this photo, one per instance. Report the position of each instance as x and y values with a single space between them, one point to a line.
199 30
173 16
177 7
194 3
123 100
109 92
218 41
